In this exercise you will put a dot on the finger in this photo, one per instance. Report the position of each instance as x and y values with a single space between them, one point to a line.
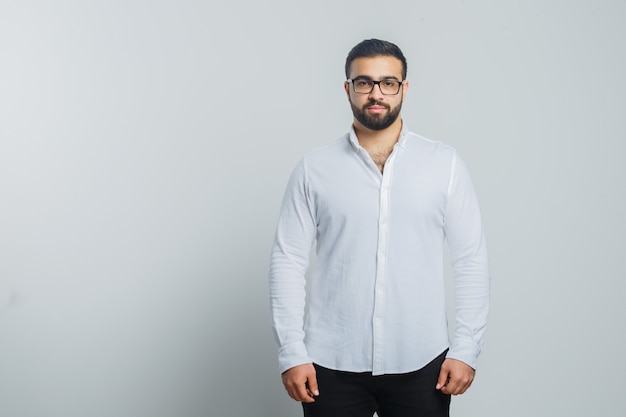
443 378
451 387
304 395
448 385
312 384
457 384
299 393
302 392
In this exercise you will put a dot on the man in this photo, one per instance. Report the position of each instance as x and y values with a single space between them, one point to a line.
379 203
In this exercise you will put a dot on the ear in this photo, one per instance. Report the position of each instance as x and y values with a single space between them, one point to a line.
346 87
405 88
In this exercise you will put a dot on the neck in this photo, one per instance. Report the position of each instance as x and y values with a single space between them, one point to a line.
378 139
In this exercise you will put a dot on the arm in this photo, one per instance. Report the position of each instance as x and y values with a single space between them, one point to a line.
468 250
294 238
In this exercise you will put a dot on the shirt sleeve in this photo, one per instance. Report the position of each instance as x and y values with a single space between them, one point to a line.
295 234
468 251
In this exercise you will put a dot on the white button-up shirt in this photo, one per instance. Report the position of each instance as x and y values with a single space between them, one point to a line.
374 299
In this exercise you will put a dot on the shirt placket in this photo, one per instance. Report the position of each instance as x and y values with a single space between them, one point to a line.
381 267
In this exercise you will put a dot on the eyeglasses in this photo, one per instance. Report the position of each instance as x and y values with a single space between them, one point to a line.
388 87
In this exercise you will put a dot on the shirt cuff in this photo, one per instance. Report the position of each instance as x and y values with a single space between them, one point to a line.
291 355
464 351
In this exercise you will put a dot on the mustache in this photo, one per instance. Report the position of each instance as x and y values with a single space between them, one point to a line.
377 103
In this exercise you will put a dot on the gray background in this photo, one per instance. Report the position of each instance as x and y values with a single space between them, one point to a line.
144 150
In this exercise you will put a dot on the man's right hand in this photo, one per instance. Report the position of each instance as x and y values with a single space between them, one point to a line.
301 383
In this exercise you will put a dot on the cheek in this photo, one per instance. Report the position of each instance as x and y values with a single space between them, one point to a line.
353 100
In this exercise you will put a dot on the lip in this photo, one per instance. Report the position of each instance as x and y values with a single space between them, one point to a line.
376 109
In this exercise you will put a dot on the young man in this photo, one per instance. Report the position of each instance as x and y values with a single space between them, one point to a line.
379 202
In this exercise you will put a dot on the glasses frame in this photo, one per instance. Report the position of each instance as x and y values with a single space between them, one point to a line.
374 84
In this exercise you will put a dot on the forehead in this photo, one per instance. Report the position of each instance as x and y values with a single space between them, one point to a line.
376 67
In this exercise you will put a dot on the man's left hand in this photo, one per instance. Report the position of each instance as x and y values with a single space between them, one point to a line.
455 377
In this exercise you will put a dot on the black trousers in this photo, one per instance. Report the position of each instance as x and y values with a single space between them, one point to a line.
359 394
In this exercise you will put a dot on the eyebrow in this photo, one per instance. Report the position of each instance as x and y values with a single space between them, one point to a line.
367 77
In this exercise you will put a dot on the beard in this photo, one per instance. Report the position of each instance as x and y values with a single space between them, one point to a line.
376 121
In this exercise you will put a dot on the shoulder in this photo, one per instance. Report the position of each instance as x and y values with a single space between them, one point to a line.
319 158
426 144
336 149
429 151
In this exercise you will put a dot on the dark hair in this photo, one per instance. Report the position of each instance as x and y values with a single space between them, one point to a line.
375 47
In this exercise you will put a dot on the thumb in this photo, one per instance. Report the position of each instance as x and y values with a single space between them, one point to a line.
443 378
312 382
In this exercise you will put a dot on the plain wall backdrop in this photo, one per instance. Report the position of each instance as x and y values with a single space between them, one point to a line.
145 146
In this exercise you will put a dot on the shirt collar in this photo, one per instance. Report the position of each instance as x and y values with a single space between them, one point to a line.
404 134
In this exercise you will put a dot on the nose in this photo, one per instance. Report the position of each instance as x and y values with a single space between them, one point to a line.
376 92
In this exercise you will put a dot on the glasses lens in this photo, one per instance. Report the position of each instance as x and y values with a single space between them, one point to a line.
390 86
362 86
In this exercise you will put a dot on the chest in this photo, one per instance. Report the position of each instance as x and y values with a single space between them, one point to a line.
408 190
380 156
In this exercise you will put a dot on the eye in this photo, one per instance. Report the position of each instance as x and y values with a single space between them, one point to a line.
362 83
389 83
